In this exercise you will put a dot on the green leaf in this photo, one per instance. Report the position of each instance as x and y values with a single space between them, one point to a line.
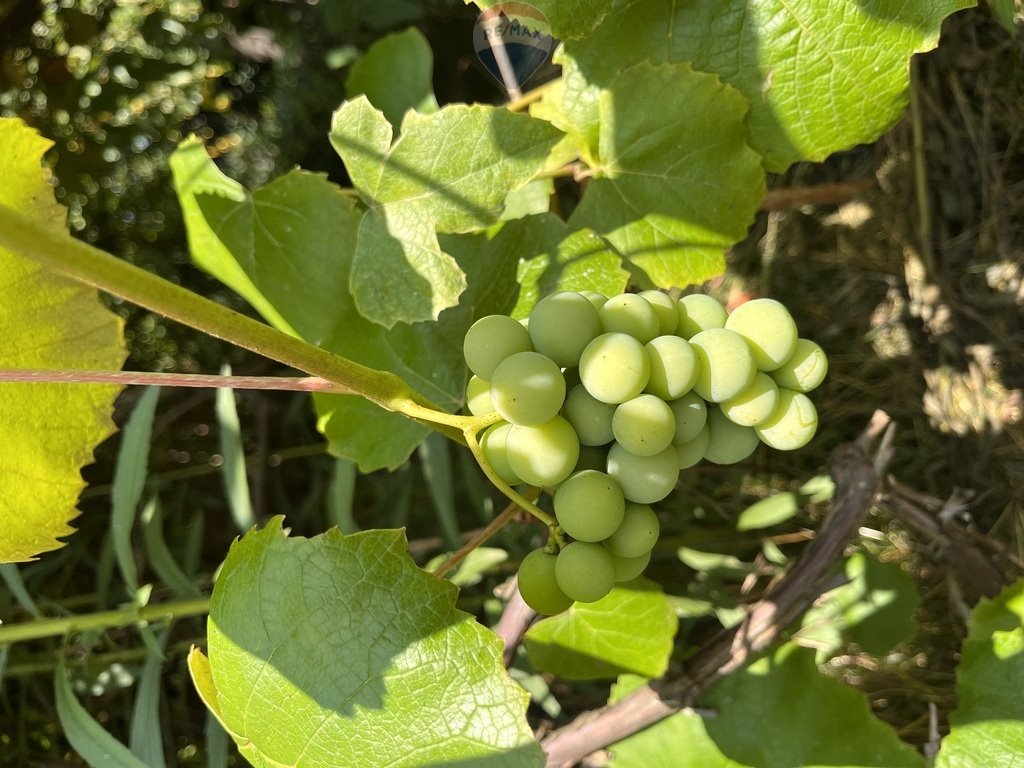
49 322
875 609
820 75
766 512
472 568
677 186
396 75
987 727
448 172
532 199
1010 14
338 651
288 248
629 630
779 711
232 471
146 739
88 738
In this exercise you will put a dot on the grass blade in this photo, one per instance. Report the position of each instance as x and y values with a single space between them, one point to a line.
12 578
88 738
129 480
437 471
159 556
145 739
236 483
216 743
340 495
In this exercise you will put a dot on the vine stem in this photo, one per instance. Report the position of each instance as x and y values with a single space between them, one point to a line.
102 620
283 383
481 536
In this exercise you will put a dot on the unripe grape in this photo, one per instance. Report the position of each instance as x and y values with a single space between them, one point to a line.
690 453
637 534
538 586
792 425
691 414
725 362
562 324
631 314
492 339
585 571
595 298
699 312
805 369
768 328
644 479
674 368
543 455
615 368
665 309
589 506
628 568
754 404
527 389
644 425
478 396
493 442
728 443
591 418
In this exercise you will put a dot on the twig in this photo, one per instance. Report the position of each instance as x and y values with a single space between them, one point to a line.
515 620
821 194
121 378
481 536
856 485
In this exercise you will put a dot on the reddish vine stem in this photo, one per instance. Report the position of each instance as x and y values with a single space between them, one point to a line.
482 535
288 383
857 483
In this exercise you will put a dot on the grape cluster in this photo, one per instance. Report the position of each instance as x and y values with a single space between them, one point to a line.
604 401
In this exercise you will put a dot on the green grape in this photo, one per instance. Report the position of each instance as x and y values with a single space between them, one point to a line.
754 404
592 457
691 414
493 442
699 312
637 534
591 418
562 324
543 455
792 425
492 339
537 584
595 298
632 314
585 571
589 506
690 453
628 568
644 479
805 369
674 367
478 396
769 329
527 389
665 309
726 365
644 425
615 368
728 443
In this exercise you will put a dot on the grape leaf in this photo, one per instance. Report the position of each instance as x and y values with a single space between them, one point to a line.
820 75
288 248
338 651
396 75
676 187
629 630
987 727
448 172
49 430
874 609
778 711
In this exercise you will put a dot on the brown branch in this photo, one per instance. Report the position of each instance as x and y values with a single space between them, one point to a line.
515 620
857 481
785 199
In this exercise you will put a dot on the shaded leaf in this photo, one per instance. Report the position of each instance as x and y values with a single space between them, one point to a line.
676 187
629 630
401 678
396 75
49 430
987 727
